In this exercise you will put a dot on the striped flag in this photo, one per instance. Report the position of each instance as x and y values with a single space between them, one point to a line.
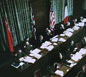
9 40
32 16
33 23
66 15
51 18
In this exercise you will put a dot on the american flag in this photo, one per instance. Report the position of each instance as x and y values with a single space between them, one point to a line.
32 16
33 23
51 18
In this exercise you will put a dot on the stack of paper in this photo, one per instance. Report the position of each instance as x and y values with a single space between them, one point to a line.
82 51
35 51
62 34
58 72
76 28
45 44
28 59
49 48
55 44
70 30
69 61
72 65
81 24
77 56
84 20
55 36
54 39
38 56
69 34
62 40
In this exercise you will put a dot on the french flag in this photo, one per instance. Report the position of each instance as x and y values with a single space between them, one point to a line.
66 15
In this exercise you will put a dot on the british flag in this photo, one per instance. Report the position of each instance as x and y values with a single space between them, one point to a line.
51 18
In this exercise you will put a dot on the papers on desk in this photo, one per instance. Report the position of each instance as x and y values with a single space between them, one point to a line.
76 28
81 24
55 44
38 56
35 51
72 65
45 44
70 30
77 56
58 72
49 48
82 51
62 34
27 59
62 40
54 39
69 34
84 20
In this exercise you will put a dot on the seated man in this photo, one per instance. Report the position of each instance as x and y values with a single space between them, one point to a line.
40 40
27 47
47 34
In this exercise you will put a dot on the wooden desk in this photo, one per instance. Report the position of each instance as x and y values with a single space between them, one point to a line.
51 56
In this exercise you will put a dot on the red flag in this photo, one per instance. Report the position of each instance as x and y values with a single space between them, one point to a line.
9 40
66 15
51 18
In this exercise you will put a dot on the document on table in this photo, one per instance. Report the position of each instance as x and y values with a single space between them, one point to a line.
77 56
69 34
29 59
84 20
62 40
45 44
82 51
62 34
49 48
76 28
81 24
54 39
70 30
72 65
38 56
35 50
58 72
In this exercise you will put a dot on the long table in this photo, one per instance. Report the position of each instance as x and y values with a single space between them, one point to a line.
49 56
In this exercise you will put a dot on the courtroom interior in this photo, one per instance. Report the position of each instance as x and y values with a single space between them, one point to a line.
43 38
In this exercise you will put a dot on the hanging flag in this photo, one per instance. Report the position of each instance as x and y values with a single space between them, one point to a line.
51 18
33 23
32 16
66 15
9 40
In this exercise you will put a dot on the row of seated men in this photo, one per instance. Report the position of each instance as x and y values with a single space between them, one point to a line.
32 43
